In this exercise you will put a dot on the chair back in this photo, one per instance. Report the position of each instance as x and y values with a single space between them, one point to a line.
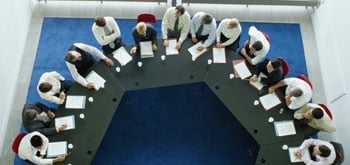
339 151
17 141
329 113
266 36
146 17
303 77
284 66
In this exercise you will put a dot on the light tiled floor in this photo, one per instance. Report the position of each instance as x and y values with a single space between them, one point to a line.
131 10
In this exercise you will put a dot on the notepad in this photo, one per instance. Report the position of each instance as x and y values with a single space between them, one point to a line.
69 120
194 52
171 48
219 55
55 149
122 56
304 154
269 101
146 49
96 79
284 128
75 102
242 70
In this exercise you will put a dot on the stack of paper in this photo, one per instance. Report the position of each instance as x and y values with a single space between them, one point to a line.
96 79
269 101
194 52
242 70
69 120
171 48
284 128
57 149
75 102
219 55
304 154
146 49
122 56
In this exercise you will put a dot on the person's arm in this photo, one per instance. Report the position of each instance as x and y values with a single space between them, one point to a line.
278 85
165 23
136 37
193 21
153 35
272 77
52 98
186 27
76 76
91 49
38 160
211 37
57 75
299 114
328 127
219 30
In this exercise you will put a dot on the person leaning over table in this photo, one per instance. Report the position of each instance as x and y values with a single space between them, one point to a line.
255 49
323 152
228 34
39 117
52 87
272 69
144 32
175 24
313 119
79 59
33 148
297 92
203 29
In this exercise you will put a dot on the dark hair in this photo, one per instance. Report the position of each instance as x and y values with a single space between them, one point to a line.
69 56
30 115
296 92
276 63
258 45
180 9
100 21
36 141
207 19
317 113
45 87
325 151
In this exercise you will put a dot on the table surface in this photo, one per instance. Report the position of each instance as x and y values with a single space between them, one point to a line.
236 94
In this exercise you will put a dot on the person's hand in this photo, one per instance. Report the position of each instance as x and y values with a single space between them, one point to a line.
50 114
90 86
109 62
59 159
297 153
166 43
133 50
253 79
200 48
218 45
62 95
62 127
154 47
243 52
271 90
194 40
178 45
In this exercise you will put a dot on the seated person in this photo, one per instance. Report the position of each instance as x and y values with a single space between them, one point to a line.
144 32
323 152
33 148
175 24
52 87
79 59
272 69
255 49
297 92
107 34
202 29
314 119
39 117
228 34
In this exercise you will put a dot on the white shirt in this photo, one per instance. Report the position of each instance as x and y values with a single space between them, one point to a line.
232 34
100 34
256 35
168 22
73 70
297 102
208 29
319 159
54 79
27 152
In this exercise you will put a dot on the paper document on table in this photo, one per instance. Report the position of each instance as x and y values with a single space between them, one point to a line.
234 62
171 48
122 56
304 154
257 84
75 102
55 149
242 70
146 49
269 101
284 128
194 52
96 79
69 120
219 55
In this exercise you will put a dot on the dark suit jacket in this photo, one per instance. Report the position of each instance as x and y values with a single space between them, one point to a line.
273 77
35 125
151 35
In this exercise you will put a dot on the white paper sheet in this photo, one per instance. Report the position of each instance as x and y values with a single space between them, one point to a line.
122 56
96 79
171 48
146 49
269 101
194 52
257 84
69 120
75 102
304 154
219 55
56 149
284 128
242 70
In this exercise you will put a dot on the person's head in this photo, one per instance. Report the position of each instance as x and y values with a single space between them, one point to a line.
314 113
100 21
322 150
295 92
72 56
141 28
45 87
30 115
36 141
179 10
206 19
273 64
257 46
233 23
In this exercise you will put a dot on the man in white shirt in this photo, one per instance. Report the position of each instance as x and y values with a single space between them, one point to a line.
255 49
323 152
79 59
228 34
33 148
203 29
175 24
107 34
52 87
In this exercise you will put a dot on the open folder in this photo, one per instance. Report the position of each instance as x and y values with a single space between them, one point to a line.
171 48
69 120
96 79
75 102
56 149
219 55
122 56
194 52
146 49
304 154
269 101
242 70
284 128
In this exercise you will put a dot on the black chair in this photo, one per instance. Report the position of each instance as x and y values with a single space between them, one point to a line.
339 159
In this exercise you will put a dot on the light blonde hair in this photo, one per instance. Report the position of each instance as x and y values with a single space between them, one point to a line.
141 27
233 23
